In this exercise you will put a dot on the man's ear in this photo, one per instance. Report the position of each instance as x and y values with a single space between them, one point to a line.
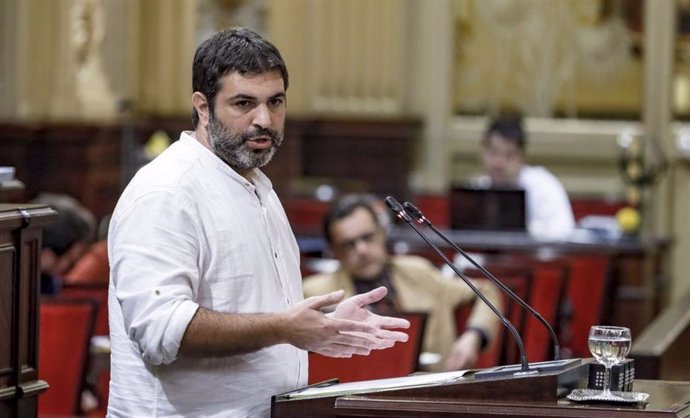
201 105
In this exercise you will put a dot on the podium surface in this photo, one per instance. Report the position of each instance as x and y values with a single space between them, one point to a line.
667 399
542 395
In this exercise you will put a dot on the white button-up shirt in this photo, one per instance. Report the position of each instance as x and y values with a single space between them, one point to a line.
548 207
188 231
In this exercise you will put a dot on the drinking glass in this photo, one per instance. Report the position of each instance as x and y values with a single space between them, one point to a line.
609 345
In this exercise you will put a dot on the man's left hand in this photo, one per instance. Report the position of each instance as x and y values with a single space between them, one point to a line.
465 351
354 309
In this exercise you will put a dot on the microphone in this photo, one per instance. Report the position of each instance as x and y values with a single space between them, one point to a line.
417 214
411 211
398 209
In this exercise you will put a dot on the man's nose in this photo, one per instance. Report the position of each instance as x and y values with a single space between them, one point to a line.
262 116
499 161
360 246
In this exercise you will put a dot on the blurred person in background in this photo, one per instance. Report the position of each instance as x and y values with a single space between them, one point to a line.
356 233
65 240
548 208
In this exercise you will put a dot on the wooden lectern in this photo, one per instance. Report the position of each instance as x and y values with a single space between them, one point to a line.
542 395
20 248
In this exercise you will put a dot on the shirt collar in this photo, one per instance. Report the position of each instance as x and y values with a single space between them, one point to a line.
257 182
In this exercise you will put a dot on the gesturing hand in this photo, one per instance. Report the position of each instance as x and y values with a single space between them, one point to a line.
351 329
464 352
353 308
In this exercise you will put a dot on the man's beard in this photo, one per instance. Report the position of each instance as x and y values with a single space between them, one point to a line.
232 146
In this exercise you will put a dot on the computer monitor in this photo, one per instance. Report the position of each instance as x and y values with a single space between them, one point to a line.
487 209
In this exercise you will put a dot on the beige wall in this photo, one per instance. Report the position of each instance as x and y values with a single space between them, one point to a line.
384 58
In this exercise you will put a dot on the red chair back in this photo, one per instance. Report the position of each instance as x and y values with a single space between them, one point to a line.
96 292
65 330
305 214
400 360
587 294
548 294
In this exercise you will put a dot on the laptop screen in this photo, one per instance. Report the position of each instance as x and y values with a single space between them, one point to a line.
487 209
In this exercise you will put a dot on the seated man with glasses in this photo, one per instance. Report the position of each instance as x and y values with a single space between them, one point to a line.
356 233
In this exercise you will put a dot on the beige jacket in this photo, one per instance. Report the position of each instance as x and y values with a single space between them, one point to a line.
420 287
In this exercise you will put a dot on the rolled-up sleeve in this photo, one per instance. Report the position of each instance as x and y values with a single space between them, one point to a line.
154 271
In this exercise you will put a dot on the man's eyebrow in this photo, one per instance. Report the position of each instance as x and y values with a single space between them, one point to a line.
242 96
280 95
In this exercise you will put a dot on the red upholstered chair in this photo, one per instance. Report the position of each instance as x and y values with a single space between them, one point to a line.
96 292
549 285
65 330
546 294
399 360
305 214
99 379
587 293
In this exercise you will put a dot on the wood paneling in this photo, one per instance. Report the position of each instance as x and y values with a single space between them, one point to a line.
377 152
93 162
80 160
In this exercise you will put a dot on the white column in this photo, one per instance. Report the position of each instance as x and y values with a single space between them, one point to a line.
432 40
668 202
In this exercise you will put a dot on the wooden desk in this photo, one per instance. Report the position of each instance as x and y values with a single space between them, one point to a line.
542 395
504 241
20 246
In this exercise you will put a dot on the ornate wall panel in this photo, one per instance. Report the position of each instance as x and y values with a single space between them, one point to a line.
572 58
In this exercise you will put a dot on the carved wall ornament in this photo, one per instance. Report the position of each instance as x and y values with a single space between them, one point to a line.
87 25
529 55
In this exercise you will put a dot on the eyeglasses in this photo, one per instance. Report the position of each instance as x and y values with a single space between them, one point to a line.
367 238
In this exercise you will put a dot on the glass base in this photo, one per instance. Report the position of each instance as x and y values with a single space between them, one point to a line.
594 395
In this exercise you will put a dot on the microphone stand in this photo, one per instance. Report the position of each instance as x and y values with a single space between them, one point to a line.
557 364
417 214
398 209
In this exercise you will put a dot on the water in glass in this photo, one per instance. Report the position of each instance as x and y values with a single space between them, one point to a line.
609 345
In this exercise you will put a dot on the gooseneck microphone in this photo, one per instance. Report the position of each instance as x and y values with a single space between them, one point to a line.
398 209
417 215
